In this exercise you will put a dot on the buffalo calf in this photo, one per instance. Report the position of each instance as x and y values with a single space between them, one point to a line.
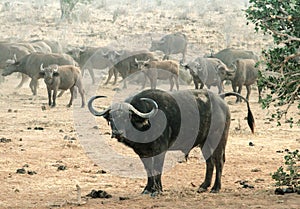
62 77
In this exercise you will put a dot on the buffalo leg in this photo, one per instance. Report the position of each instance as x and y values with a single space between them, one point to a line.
239 91
196 83
110 74
49 96
208 175
153 167
33 85
72 96
79 85
92 74
23 80
248 92
54 97
177 83
219 163
171 83
234 87
115 75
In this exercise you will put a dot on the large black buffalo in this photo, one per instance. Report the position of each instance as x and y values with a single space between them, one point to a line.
154 121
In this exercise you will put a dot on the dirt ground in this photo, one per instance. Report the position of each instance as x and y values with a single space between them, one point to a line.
45 152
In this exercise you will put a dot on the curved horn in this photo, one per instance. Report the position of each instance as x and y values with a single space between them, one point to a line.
92 110
42 68
136 61
55 68
144 115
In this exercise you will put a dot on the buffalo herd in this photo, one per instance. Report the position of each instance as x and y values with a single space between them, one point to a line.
207 113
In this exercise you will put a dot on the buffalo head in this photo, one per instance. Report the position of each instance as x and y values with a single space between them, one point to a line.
48 73
124 117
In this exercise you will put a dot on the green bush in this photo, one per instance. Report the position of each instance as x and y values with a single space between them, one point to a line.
289 176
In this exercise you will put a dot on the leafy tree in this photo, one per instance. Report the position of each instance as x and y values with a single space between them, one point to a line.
67 6
281 20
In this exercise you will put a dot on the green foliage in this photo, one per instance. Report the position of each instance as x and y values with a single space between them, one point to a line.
67 6
281 20
291 175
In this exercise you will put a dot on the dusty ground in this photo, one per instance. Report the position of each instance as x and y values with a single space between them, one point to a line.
49 143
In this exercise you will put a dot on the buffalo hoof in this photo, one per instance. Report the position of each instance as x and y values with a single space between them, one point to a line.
214 191
152 194
201 190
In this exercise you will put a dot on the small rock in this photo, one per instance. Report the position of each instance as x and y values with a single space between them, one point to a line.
21 171
279 151
279 191
38 128
5 140
95 127
15 110
259 180
123 198
43 107
98 194
251 144
9 110
101 172
61 168
31 172
25 165
255 170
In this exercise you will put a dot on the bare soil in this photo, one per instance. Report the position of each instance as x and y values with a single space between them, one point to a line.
48 145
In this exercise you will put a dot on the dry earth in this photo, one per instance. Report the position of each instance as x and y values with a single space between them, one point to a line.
52 144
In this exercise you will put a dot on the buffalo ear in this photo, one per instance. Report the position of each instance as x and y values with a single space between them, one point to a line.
107 117
56 74
41 74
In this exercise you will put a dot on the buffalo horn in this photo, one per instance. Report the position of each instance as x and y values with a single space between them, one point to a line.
42 68
144 115
91 108
56 68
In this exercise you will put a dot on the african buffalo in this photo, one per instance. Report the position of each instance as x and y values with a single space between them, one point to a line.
125 63
171 44
206 72
30 65
9 50
41 46
163 70
229 55
62 77
90 58
154 121
243 73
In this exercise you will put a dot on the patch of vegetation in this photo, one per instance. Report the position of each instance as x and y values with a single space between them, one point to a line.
288 177
281 20
67 6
